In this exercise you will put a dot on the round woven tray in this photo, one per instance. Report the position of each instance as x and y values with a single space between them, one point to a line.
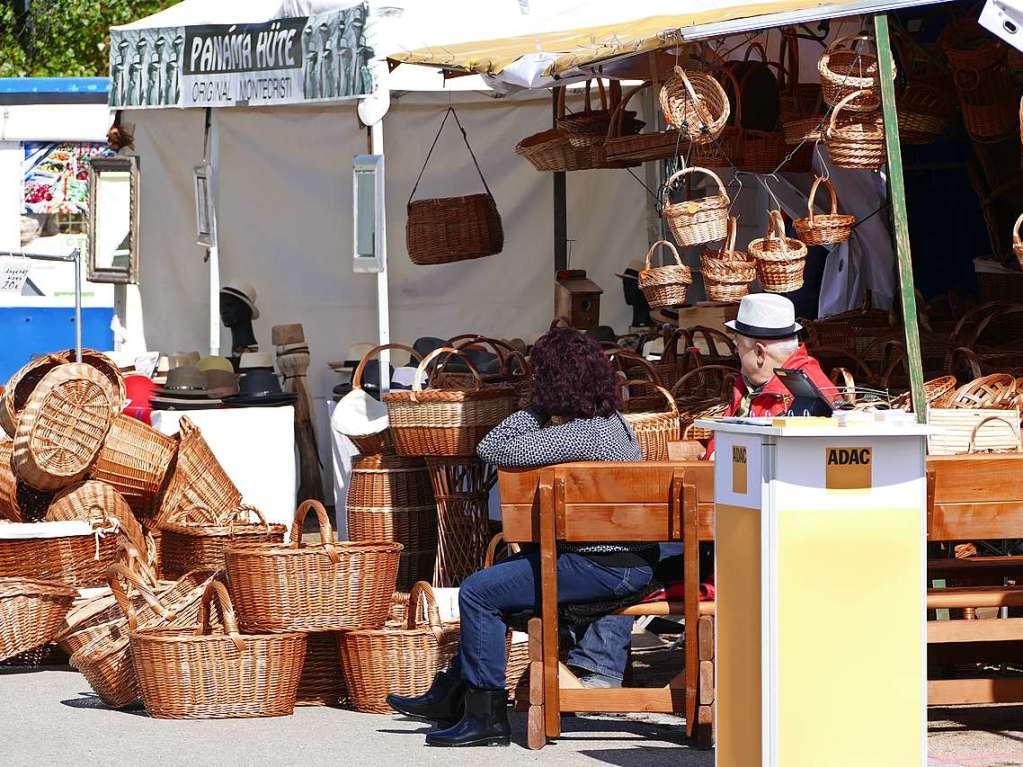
31 612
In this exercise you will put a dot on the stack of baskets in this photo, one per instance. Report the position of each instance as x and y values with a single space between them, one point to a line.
850 84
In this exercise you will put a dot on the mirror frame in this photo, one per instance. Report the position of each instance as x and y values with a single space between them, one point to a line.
98 165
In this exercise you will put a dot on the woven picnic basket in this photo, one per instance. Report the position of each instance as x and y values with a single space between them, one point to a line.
327 587
845 70
94 501
443 230
63 426
665 286
19 502
1017 250
78 558
780 259
136 460
398 661
653 429
727 272
828 228
206 673
695 104
446 422
381 442
322 682
197 479
856 141
198 539
699 220
31 612
20 387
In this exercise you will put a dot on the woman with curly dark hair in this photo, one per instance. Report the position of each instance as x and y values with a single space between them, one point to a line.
573 416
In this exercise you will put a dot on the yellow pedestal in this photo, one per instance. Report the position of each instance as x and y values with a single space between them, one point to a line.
821 596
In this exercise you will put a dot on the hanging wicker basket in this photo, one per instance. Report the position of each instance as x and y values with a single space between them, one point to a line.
696 105
828 229
845 70
135 460
727 273
665 286
780 259
701 219
621 146
856 141
653 429
31 613
447 229
588 127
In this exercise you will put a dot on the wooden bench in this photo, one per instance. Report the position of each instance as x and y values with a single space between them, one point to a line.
970 498
595 502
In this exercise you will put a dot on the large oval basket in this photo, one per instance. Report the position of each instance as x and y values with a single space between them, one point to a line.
135 460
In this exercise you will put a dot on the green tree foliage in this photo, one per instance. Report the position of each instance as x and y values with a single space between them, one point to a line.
65 38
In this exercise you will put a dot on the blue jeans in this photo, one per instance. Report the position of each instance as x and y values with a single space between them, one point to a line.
514 586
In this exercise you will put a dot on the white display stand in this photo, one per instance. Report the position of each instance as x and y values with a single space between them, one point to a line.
256 447
821 593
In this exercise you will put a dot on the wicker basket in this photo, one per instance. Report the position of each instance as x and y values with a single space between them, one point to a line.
448 229
377 443
20 387
197 479
551 151
992 392
329 587
79 558
62 428
446 422
925 112
665 286
969 46
387 661
589 127
200 674
828 229
199 539
136 460
95 502
856 142
988 103
322 682
654 430
700 220
750 149
691 431
107 367
620 146
1017 250
936 392
696 105
727 273
780 259
18 501
31 613
844 70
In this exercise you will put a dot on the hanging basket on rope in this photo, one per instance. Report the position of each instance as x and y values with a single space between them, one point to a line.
443 230
845 70
780 259
856 141
727 273
701 219
829 228
665 286
695 104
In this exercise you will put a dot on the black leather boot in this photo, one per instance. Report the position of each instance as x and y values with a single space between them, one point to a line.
441 703
485 722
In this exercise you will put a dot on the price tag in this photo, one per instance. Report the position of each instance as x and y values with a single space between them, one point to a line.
13 273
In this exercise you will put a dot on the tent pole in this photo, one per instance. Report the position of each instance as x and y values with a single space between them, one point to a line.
897 195
376 137
560 205
213 148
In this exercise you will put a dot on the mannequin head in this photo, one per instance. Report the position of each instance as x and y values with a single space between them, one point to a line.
634 297
237 316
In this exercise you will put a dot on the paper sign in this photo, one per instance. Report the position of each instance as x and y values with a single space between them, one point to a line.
13 274
739 483
848 468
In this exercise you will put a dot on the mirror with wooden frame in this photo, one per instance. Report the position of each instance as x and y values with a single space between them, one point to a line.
114 219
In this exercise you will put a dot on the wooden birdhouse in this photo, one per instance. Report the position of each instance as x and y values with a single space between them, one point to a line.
577 299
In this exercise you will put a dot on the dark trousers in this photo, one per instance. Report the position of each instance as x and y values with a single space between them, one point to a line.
513 586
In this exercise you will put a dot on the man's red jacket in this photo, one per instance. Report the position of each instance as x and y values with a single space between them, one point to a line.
774 398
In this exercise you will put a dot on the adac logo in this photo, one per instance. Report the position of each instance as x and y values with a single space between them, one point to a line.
848 456
739 480
848 468
738 454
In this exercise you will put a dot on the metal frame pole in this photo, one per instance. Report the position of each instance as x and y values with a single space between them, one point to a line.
75 259
560 204
376 133
900 220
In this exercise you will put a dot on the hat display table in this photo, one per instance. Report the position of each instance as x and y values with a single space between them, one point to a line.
821 593
256 447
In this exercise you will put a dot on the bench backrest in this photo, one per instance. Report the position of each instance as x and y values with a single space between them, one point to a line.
974 497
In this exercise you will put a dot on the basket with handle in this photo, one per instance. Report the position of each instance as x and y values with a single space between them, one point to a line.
20 387
800 112
969 46
727 272
653 429
588 127
780 259
987 100
63 426
622 146
198 538
332 586
965 431
698 393
443 230
446 422
19 502
204 673
709 413
76 553
404 661
845 70
701 219
936 392
550 150
665 286
829 228
94 502
380 442
136 460
856 141
751 149
31 612
695 104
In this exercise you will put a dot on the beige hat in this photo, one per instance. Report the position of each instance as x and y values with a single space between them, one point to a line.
635 266
215 363
243 291
253 360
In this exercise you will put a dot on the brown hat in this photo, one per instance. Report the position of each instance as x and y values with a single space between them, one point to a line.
220 383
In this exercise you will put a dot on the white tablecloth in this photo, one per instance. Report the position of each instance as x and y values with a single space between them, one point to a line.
256 447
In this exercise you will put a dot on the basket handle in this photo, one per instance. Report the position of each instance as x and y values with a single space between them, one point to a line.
729 244
217 589
755 45
422 590
813 196
725 370
357 376
775 226
713 337
242 516
198 514
465 137
698 105
833 122
788 48
973 434
667 394
417 381
658 244
849 383
588 109
115 574
736 116
637 358
1016 240
132 558
614 128
696 169
326 531
495 542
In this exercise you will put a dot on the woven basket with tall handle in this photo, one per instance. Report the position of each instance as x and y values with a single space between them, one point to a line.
665 286
136 460
844 70
780 259
701 219
398 661
588 127
695 104
622 146
378 443
856 141
829 228
31 613
727 272
332 586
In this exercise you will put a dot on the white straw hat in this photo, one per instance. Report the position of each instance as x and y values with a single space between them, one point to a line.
765 315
